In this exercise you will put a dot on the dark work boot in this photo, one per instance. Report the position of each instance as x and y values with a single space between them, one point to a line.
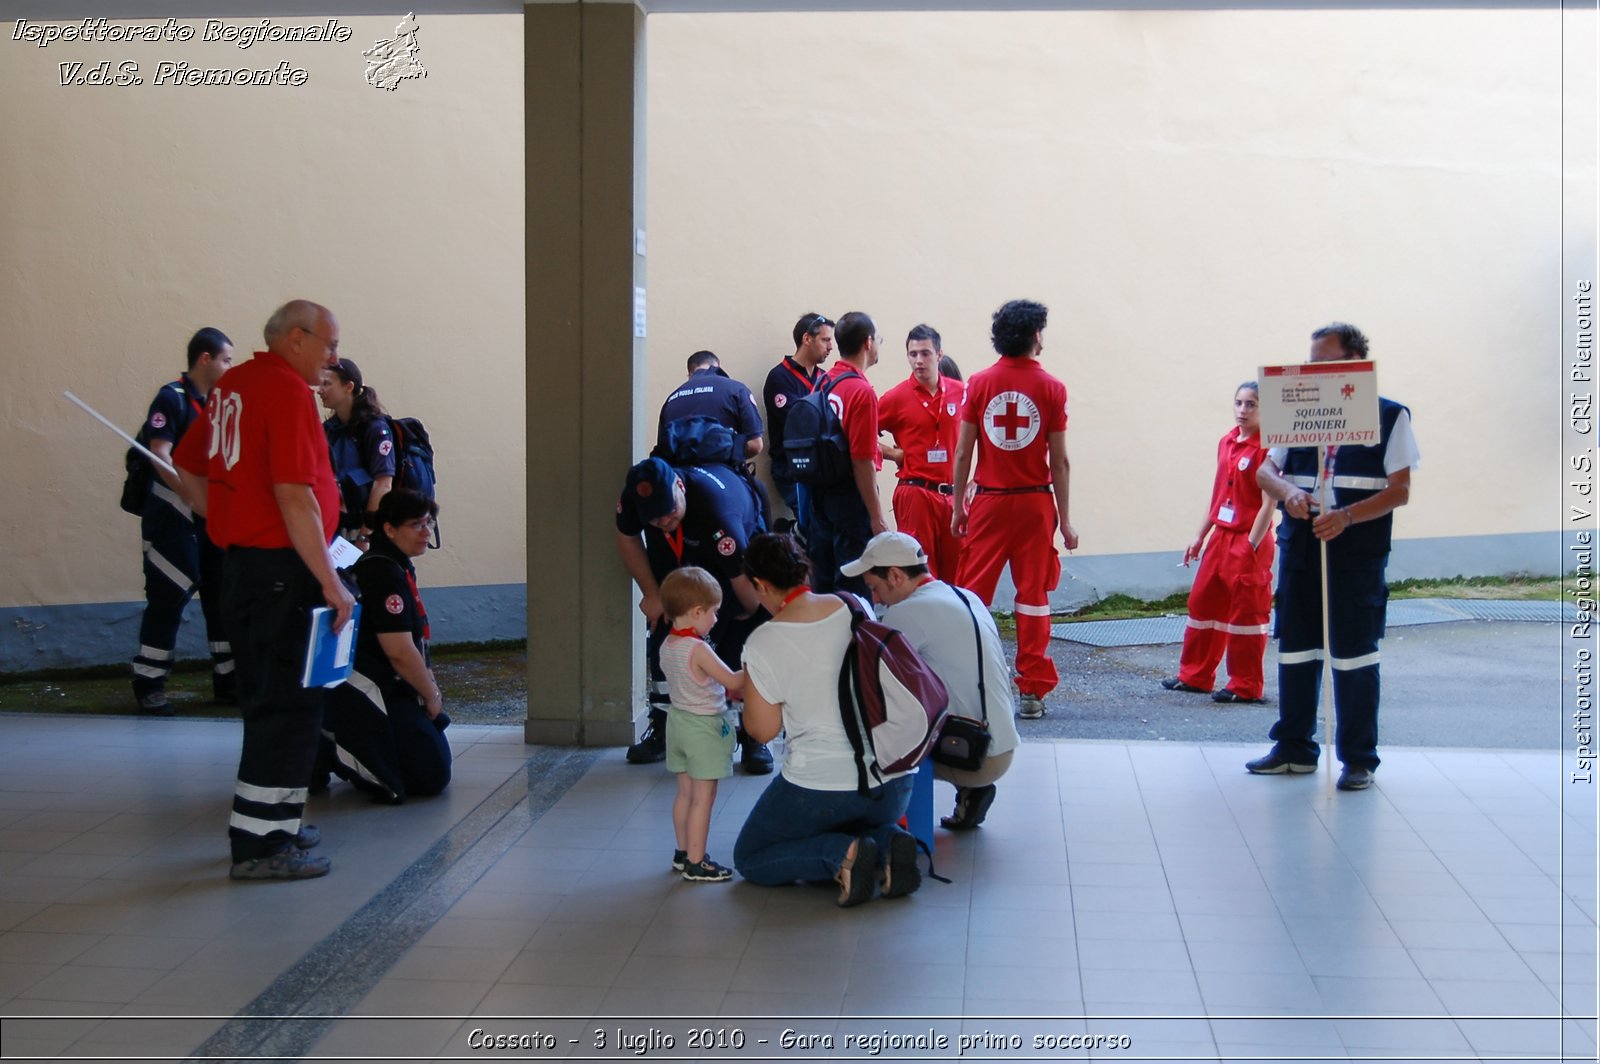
754 757
652 746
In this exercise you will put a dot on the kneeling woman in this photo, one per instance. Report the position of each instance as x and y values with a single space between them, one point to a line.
384 727
810 823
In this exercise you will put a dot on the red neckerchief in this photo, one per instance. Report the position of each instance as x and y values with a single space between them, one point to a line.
686 633
416 597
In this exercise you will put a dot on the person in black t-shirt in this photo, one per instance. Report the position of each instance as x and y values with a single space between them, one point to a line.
384 727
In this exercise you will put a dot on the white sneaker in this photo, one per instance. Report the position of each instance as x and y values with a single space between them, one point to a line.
1030 707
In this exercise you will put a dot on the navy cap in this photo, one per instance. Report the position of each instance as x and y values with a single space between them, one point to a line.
649 488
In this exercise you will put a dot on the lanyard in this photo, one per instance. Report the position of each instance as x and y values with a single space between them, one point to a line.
790 597
675 541
810 383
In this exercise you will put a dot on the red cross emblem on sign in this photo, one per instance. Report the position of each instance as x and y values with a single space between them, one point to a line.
1348 390
1011 421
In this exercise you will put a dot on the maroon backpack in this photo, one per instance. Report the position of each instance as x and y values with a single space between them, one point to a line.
892 703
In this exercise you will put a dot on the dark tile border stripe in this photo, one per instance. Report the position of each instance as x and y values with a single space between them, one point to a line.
342 969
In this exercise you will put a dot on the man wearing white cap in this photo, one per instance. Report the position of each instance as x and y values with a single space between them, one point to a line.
953 631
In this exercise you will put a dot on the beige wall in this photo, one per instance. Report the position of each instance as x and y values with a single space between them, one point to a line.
1190 192
134 215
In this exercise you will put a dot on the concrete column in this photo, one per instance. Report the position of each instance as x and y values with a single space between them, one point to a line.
584 120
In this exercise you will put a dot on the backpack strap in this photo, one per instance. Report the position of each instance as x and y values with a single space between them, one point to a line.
850 701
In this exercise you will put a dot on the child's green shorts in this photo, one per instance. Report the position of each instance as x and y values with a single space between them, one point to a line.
699 744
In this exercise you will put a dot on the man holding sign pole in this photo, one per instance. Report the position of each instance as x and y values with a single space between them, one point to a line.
1342 496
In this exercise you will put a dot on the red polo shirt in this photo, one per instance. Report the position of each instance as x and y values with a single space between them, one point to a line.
924 426
1235 491
261 428
1015 405
857 406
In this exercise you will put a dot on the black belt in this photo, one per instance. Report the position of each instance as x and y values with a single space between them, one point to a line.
1032 489
928 485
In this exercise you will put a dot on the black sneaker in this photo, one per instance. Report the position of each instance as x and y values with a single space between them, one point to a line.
706 871
289 863
1274 764
1175 684
1354 779
972 805
679 859
652 746
155 704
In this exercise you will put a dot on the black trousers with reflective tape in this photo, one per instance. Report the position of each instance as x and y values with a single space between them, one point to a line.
178 559
1356 614
267 600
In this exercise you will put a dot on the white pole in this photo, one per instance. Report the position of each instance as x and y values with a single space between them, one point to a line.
1329 716
160 462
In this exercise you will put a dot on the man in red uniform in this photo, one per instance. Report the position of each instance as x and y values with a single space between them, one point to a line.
922 414
258 469
1015 415
845 515
1230 605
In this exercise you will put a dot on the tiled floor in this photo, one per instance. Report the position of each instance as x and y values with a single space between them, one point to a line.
1148 890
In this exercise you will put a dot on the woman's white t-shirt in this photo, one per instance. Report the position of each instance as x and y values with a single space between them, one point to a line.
797 665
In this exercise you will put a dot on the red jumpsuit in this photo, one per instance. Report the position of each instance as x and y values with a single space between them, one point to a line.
924 426
1015 405
1230 605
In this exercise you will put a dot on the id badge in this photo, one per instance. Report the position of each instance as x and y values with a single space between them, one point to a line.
1225 515
935 457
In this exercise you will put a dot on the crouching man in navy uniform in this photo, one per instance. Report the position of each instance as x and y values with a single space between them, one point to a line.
1368 484
178 555
694 515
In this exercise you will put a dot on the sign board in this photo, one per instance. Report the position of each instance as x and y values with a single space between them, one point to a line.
1320 404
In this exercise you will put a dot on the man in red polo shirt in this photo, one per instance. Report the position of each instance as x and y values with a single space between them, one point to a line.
922 413
258 469
1016 416
845 515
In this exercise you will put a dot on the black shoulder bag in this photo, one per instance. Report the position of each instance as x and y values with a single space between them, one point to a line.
964 742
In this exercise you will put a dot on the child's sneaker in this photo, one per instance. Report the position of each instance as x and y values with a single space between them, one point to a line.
679 859
705 871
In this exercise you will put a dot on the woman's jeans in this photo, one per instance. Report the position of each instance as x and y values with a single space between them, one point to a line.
799 833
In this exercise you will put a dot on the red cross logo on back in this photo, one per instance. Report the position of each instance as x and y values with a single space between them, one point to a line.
1011 421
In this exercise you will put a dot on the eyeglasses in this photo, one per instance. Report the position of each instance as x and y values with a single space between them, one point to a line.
421 524
332 345
819 322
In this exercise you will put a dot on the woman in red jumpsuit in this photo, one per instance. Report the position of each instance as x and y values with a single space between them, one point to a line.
1230 605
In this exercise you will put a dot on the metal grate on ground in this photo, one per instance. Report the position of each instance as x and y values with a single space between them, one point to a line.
1151 631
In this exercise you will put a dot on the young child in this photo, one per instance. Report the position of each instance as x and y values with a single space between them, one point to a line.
699 738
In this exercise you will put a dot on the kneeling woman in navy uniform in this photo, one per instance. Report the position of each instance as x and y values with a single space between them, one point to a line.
384 727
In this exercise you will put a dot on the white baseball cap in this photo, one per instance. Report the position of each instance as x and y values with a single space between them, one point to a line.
887 548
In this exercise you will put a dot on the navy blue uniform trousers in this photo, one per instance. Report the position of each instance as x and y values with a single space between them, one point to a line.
1356 614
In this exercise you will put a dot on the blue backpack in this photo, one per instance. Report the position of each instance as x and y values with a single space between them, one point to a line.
413 463
700 440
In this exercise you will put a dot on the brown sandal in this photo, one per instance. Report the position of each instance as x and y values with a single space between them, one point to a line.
855 889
